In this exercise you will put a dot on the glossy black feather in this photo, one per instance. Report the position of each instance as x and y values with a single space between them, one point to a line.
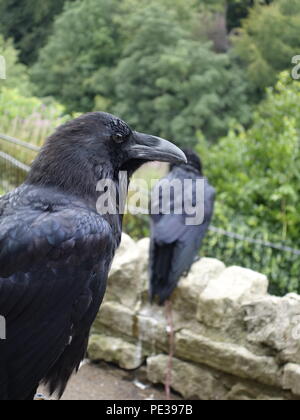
174 245
50 291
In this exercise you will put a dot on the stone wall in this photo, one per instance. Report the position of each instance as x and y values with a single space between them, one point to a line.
233 341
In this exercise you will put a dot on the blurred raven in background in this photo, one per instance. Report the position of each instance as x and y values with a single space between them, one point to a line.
56 250
174 244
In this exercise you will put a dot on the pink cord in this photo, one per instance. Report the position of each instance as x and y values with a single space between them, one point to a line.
170 329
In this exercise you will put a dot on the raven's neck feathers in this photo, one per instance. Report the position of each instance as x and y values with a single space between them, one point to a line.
70 170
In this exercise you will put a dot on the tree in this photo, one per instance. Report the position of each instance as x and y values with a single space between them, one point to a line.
144 62
16 73
29 23
76 63
174 86
236 11
268 40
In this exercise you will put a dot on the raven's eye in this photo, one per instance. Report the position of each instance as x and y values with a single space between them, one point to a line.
118 138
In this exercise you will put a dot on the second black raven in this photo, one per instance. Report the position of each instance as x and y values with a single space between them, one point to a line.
174 244
56 249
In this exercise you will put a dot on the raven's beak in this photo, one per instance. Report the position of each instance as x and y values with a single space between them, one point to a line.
150 148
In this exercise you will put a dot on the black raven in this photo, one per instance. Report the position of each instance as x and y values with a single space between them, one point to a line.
56 249
174 244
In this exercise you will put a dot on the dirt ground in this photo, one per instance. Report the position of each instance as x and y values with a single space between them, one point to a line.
106 382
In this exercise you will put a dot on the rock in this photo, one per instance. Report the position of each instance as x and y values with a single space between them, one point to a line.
221 300
117 318
186 296
189 380
144 251
115 350
252 392
227 357
125 283
206 269
232 340
204 383
274 322
291 378
147 326
126 245
152 328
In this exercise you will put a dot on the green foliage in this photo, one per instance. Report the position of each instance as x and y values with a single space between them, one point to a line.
136 226
256 173
140 61
281 267
236 11
28 23
75 65
29 119
175 85
259 175
16 73
268 40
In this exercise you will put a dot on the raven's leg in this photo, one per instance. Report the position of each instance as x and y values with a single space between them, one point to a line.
170 329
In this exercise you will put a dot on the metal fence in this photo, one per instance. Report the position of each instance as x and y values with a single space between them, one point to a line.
12 171
279 261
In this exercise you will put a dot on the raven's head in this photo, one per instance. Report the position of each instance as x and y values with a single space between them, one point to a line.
96 145
125 148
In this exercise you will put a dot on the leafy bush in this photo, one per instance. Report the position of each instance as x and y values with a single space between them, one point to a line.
281 267
76 63
176 85
28 23
143 62
259 174
268 40
16 73
256 173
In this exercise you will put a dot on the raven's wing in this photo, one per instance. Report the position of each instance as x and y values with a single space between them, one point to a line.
53 269
174 245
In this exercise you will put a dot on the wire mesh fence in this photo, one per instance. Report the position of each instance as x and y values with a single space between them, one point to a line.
12 172
15 157
279 261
